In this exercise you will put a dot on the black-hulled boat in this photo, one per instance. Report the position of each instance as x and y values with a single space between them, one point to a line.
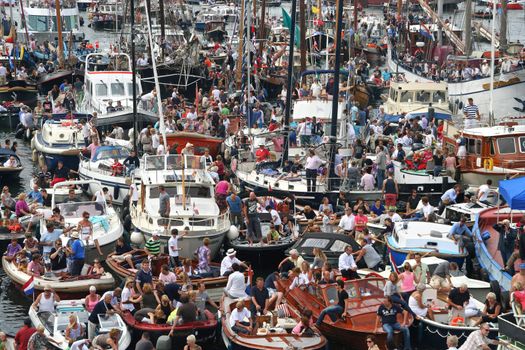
20 91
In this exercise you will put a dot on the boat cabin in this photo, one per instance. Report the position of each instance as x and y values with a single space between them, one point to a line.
493 148
41 19
422 236
408 97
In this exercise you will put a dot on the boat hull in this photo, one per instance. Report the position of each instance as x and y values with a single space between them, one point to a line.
117 186
106 25
398 256
25 95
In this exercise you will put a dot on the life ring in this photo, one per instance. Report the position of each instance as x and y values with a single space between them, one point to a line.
457 321
488 164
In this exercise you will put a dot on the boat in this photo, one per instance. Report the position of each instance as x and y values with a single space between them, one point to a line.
230 13
491 153
418 175
199 141
48 80
108 89
192 202
83 5
365 296
41 20
107 16
206 21
59 139
68 287
99 167
204 330
213 281
272 332
61 193
107 227
511 5
423 237
55 323
9 171
331 244
19 91
510 331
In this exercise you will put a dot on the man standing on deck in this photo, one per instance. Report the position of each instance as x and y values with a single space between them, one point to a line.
253 224
507 237
471 112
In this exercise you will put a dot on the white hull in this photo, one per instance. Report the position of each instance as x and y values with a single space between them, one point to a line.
115 185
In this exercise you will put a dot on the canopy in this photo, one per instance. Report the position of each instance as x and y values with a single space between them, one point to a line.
514 192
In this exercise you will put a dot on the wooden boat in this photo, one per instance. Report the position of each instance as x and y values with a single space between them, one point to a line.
7 172
332 245
55 323
365 296
19 91
48 80
203 330
69 287
423 237
275 336
502 83
199 141
214 282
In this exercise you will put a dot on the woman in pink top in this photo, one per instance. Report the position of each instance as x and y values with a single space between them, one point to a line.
35 267
92 299
407 281
303 327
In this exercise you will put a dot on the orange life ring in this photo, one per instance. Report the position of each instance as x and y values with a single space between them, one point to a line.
456 321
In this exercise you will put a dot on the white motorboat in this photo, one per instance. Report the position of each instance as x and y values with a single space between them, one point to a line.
107 227
423 180
192 203
99 167
65 287
59 140
55 323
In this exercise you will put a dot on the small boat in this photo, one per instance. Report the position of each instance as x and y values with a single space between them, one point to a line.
55 323
272 332
99 167
106 16
61 193
107 226
68 287
191 190
59 139
365 296
83 5
483 14
9 171
510 330
199 141
423 237
203 330
213 281
20 91
414 174
331 244
48 80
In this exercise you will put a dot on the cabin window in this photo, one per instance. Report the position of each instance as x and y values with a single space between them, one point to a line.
393 95
506 145
522 144
474 146
117 89
338 246
130 89
315 243
439 96
38 23
154 192
331 293
198 192
405 96
423 96
101 90
492 148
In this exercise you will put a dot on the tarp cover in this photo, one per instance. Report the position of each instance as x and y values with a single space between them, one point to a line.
514 192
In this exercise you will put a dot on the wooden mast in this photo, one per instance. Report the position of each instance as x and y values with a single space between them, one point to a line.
262 27
60 40
302 33
503 27
238 73
468 27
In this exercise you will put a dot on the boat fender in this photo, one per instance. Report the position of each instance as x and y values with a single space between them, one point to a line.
116 191
233 233
28 134
41 160
488 164
34 156
457 321
137 237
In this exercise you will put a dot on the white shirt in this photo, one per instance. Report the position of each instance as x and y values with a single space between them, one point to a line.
275 217
125 296
191 116
483 193
99 197
155 141
347 223
10 163
313 162
216 94
395 217
346 262
134 192
227 262
316 90
173 246
85 131
236 286
239 316
300 280
161 150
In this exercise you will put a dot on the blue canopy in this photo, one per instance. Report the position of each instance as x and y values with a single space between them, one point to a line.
514 192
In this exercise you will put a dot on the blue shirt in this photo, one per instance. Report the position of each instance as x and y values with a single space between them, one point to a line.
235 205
36 196
458 229
378 211
78 250
50 237
450 195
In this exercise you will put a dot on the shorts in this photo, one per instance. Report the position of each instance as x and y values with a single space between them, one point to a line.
271 292
437 282
121 258
390 199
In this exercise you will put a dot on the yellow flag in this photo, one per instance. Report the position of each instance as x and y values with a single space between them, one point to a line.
315 10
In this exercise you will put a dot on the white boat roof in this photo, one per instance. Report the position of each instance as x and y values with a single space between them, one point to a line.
425 235
498 130
418 86
321 109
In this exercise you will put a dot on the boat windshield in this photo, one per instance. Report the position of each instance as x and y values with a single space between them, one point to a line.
154 192
173 162
73 209
101 89
111 153
315 243
117 89
48 320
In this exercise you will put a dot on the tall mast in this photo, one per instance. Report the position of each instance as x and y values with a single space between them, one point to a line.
302 33
503 27
262 27
162 27
289 84
468 27
238 73
335 100
440 15
59 29
492 62
23 18
134 75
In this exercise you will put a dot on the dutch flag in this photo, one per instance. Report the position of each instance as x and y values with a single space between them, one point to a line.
423 30
29 286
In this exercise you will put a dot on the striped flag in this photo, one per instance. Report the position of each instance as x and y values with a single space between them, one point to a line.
29 286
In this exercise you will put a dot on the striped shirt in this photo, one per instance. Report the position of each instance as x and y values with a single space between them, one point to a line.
153 246
471 111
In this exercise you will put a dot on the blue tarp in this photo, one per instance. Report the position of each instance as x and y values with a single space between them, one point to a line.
514 192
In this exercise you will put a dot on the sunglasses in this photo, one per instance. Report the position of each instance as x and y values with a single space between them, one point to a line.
369 341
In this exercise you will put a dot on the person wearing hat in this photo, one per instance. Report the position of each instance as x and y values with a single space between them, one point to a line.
77 253
46 301
507 237
188 150
229 260
457 232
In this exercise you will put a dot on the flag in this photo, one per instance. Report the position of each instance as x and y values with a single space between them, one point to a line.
315 10
287 22
10 57
29 286
423 30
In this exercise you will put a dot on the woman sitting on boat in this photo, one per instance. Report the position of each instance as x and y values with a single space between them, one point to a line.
415 302
407 281
300 279
91 299
491 311
74 330
103 341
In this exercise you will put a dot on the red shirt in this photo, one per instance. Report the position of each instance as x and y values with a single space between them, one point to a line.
22 337
519 296
262 154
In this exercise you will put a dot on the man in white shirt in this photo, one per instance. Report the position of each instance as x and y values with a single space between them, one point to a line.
236 286
133 194
173 247
99 198
191 115
316 89
347 222
347 265
240 319
313 162
161 149
155 139
216 93
228 261
483 192
276 219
